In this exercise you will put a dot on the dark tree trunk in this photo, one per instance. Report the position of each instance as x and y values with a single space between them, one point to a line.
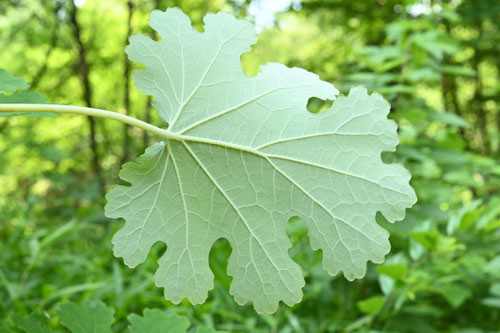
450 99
478 108
149 100
477 104
87 92
126 91
449 91
53 42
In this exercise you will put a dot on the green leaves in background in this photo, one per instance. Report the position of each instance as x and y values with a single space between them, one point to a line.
46 180
10 83
93 316
244 156
90 316
32 323
155 321
371 305
14 90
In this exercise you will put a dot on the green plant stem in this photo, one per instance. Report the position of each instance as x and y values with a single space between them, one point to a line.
31 108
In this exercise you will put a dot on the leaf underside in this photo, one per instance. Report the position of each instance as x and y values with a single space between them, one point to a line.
243 156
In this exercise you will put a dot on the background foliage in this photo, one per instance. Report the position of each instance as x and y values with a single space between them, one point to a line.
438 64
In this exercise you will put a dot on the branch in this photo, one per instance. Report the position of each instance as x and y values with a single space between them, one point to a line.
54 108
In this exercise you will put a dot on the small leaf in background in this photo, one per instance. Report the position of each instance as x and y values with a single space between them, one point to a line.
455 294
32 323
436 43
490 217
10 83
396 271
492 302
22 97
495 289
429 239
93 316
4 329
455 221
206 329
396 267
458 71
13 90
155 321
418 74
89 317
447 118
371 305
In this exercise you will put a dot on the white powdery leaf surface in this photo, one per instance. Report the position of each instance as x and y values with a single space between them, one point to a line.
243 155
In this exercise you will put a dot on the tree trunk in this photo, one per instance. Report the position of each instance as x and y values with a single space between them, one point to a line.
87 92
53 43
126 91
478 108
149 100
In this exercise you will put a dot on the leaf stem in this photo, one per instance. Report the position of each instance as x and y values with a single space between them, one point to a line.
54 108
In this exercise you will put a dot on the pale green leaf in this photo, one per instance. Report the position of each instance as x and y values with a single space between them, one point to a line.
13 91
10 83
89 317
22 96
495 289
243 155
155 321
492 302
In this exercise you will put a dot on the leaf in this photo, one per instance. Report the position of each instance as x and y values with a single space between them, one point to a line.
242 156
455 221
13 91
436 43
455 294
492 302
4 329
207 329
395 271
429 239
10 83
458 70
88 317
448 118
22 96
32 323
371 305
495 289
156 321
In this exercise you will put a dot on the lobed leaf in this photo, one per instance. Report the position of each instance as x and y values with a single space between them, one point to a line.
242 156
88 317
156 321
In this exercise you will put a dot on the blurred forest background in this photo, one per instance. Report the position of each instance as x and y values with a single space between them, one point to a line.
437 62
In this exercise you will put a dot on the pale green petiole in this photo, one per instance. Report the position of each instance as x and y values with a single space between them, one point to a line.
54 108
